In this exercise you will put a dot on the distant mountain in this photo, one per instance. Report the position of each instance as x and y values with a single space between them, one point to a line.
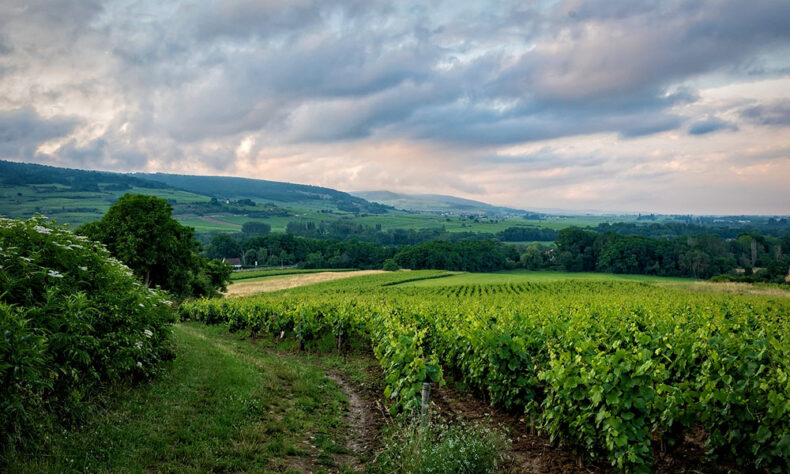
436 203
228 187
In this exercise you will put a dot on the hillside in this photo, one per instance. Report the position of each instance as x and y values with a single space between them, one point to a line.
437 203
230 188
75 196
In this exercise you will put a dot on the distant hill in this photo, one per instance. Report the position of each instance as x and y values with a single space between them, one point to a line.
25 174
227 187
436 203
73 196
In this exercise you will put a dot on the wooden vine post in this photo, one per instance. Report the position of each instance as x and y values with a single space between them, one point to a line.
426 402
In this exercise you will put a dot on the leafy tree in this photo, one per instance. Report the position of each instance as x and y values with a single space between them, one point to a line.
224 246
139 230
314 260
256 228
533 257
250 257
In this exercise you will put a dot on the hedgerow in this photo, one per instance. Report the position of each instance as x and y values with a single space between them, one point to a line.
72 321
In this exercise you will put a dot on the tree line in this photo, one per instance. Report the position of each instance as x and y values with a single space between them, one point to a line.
697 256
288 249
575 250
344 229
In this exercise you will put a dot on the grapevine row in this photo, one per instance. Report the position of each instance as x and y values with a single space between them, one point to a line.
616 369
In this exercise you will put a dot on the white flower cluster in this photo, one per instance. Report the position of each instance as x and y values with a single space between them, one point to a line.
54 274
42 229
148 333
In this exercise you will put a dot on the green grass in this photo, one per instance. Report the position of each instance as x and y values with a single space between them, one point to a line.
225 405
521 276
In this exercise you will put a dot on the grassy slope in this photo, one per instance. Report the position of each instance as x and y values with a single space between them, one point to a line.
48 198
225 405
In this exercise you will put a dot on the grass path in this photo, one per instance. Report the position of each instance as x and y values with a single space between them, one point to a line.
224 405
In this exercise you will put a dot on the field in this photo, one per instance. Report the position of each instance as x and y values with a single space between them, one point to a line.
273 272
267 284
622 372
525 276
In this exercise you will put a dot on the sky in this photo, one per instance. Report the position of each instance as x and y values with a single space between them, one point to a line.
612 105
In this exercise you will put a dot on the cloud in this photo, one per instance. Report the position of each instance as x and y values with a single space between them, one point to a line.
774 114
710 125
23 130
180 85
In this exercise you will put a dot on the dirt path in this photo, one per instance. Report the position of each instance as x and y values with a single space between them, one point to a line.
363 420
246 288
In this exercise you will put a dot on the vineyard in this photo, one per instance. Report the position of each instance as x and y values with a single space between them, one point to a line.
624 371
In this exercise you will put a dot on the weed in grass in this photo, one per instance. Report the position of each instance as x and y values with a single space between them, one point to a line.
442 447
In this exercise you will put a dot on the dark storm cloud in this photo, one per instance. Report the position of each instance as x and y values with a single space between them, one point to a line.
710 125
22 131
776 113
5 48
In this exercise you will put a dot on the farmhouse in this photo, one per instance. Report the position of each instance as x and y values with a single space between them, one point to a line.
234 262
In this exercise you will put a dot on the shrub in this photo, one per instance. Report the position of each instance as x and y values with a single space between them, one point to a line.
72 319
390 265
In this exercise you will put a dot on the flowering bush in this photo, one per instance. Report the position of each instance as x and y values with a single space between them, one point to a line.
72 319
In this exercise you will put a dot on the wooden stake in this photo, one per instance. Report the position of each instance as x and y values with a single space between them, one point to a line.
426 401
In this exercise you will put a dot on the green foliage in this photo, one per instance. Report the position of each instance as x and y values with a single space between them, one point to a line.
390 265
72 319
256 228
139 231
617 370
223 246
472 256
696 256
442 448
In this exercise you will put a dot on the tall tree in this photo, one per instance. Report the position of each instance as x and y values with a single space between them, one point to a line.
139 231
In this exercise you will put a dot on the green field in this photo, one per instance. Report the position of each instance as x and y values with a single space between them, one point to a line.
524 276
